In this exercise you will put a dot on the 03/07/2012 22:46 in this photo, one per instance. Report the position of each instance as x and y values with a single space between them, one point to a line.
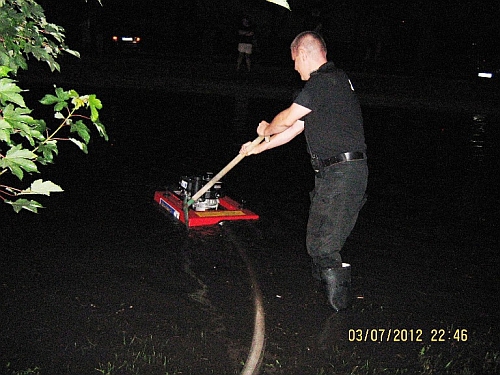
407 335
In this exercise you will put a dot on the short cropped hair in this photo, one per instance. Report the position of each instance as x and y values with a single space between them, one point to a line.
310 41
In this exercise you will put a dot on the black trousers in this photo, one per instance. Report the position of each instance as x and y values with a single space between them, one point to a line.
338 196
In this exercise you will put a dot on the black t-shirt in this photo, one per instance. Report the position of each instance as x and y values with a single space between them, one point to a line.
335 123
245 38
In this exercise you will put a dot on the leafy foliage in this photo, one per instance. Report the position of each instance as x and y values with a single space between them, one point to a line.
26 142
25 31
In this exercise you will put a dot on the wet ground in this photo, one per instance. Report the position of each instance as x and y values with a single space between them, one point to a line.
103 281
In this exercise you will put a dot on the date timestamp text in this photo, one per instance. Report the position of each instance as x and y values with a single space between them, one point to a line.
407 335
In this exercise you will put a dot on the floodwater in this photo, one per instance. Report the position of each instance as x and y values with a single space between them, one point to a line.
103 281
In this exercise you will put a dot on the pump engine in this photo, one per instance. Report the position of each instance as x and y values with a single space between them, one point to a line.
189 186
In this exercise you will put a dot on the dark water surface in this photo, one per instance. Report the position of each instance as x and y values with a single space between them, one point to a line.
102 276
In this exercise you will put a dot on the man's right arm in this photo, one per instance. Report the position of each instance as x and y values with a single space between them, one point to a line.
277 140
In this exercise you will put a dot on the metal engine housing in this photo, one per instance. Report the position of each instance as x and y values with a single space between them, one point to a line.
190 185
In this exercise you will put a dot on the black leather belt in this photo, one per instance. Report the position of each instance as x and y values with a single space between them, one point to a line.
346 156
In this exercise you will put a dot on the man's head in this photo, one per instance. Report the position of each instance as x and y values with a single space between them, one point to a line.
309 53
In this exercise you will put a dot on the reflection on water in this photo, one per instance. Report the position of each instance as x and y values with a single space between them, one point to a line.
241 112
434 165
479 139
479 188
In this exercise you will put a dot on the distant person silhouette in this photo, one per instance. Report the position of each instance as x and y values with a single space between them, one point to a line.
245 43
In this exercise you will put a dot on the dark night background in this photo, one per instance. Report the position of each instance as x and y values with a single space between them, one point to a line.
450 37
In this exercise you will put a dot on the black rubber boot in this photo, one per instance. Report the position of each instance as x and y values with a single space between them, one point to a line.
338 286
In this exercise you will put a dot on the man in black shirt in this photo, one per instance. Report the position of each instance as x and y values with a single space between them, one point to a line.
328 111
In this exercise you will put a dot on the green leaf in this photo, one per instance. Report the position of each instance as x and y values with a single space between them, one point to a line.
95 105
60 106
4 124
82 146
19 152
26 204
82 130
49 99
41 126
5 136
72 94
18 159
42 187
20 121
5 131
72 52
59 102
101 129
64 95
4 71
9 92
48 150
16 171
